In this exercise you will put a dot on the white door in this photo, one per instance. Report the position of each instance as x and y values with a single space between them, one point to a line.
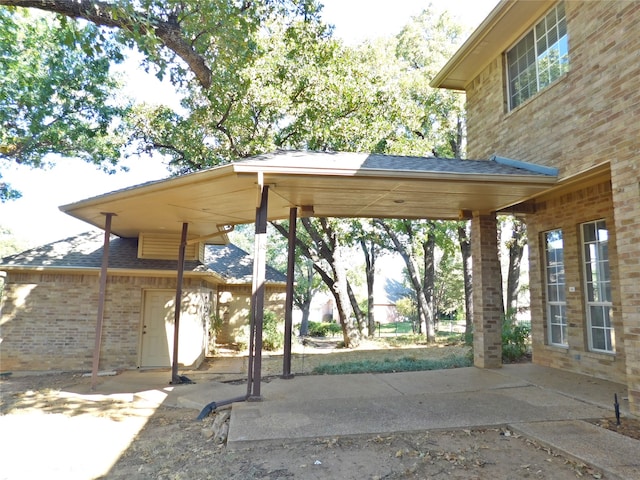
157 328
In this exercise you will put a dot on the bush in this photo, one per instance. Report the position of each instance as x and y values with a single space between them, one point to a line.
323 329
272 337
515 338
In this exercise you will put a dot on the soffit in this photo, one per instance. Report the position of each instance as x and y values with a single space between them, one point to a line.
505 24
328 184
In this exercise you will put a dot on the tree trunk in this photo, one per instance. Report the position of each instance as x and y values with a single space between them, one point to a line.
370 262
424 314
465 251
516 250
304 322
428 249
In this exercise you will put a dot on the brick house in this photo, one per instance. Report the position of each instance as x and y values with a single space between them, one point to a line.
558 84
48 309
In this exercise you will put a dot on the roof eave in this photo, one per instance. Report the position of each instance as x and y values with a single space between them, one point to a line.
504 24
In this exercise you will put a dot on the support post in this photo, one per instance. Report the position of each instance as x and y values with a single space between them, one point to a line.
288 308
257 297
487 292
175 379
101 299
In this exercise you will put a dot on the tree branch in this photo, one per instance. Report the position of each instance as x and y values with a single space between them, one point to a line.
102 14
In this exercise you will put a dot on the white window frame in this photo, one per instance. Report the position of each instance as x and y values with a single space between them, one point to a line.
539 58
555 294
597 286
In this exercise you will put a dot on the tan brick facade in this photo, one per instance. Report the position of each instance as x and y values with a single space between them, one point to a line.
48 320
567 212
588 117
234 306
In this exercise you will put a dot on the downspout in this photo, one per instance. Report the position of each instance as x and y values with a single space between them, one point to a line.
101 299
254 372
288 308
175 378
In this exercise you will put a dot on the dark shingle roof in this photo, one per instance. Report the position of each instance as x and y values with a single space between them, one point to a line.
231 262
400 163
85 251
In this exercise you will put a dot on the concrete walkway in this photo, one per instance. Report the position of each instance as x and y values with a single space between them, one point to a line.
545 404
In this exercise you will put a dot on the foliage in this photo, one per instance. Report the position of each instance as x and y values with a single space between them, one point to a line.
515 339
395 328
407 309
324 329
55 95
449 285
405 364
216 325
272 335
9 244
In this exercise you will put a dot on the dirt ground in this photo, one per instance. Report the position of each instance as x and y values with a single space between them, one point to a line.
137 440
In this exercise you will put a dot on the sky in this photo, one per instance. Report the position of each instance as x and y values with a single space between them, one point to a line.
35 218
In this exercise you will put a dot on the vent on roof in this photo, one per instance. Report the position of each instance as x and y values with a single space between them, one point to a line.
166 246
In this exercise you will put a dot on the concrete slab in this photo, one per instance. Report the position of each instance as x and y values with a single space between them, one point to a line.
588 389
611 452
355 404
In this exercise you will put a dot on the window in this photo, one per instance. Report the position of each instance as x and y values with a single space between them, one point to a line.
595 241
554 278
540 58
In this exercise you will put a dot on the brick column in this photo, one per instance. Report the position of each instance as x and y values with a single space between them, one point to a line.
487 292
626 202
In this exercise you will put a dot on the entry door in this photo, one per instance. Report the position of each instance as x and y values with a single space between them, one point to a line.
157 328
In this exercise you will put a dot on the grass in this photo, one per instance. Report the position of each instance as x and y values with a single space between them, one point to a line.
404 364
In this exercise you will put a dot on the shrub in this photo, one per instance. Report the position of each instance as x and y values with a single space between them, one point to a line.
272 337
515 338
323 329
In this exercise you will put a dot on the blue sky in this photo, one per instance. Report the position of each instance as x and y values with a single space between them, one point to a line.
35 218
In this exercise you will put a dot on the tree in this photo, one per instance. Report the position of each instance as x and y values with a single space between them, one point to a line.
465 251
254 76
206 49
56 96
515 248
320 241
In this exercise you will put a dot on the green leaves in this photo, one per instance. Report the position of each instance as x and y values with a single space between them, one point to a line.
55 98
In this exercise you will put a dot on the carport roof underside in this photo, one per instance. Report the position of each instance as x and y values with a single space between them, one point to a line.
319 184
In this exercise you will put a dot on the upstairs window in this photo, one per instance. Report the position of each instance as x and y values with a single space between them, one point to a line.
541 57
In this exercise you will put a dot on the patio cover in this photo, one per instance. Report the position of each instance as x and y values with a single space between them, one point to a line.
345 185
284 184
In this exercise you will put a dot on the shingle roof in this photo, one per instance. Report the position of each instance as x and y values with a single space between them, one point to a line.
398 163
233 263
85 251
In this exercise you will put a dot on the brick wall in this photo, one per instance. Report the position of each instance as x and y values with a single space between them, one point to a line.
48 320
586 118
234 305
567 211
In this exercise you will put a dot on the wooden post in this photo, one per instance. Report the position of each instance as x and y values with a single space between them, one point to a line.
178 304
101 299
257 297
288 309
